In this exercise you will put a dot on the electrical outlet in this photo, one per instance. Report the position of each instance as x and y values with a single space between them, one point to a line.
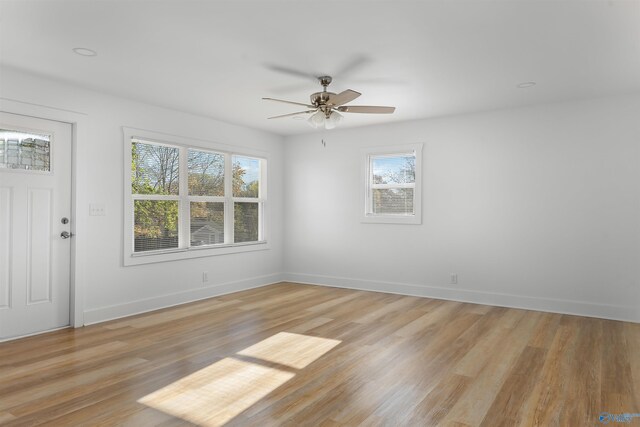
205 276
454 279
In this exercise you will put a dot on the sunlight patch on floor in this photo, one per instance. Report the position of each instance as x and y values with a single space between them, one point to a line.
214 395
293 350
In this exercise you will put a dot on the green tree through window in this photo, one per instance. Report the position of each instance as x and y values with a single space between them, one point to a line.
155 188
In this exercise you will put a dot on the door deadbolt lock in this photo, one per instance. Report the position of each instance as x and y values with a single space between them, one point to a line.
65 234
65 220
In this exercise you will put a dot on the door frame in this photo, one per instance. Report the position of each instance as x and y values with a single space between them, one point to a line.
79 132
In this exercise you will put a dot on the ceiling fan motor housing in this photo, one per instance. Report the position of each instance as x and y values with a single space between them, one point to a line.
321 98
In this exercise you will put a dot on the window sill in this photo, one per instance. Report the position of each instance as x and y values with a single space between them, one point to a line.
150 257
391 219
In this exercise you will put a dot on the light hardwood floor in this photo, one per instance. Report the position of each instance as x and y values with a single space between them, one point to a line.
298 355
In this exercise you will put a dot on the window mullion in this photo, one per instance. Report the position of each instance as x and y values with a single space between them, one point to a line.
262 195
228 199
211 199
184 218
248 200
154 197
261 221
369 193
393 186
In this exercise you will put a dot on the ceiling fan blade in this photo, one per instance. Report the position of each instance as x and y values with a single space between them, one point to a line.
343 97
352 65
290 71
290 102
371 109
289 89
292 114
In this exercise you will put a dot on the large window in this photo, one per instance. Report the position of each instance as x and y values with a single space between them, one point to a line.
185 201
392 185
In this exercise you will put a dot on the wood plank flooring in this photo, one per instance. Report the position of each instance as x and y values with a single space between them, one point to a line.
300 355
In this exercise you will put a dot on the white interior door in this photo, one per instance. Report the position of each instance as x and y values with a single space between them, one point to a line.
35 208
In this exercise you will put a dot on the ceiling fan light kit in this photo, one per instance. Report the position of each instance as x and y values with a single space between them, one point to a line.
321 120
325 105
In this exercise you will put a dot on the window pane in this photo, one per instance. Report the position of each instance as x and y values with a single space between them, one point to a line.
26 151
154 168
246 177
393 170
155 224
206 173
207 223
397 201
246 222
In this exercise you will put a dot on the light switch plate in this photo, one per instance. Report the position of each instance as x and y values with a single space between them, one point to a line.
97 209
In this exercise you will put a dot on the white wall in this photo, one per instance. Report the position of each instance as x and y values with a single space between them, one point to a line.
534 207
107 288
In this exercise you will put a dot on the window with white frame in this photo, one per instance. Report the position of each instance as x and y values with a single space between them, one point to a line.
392 184
183 201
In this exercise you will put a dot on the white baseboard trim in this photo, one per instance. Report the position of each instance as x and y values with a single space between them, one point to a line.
103 314
578 308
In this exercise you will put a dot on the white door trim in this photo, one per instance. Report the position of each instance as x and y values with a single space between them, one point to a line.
79 132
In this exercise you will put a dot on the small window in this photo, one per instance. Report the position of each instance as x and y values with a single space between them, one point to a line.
392 185
25 151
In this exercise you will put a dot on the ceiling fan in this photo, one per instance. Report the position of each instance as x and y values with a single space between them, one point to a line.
325 107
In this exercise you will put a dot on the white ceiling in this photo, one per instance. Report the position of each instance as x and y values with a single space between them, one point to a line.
427 58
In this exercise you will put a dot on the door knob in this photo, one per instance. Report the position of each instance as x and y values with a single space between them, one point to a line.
65 234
